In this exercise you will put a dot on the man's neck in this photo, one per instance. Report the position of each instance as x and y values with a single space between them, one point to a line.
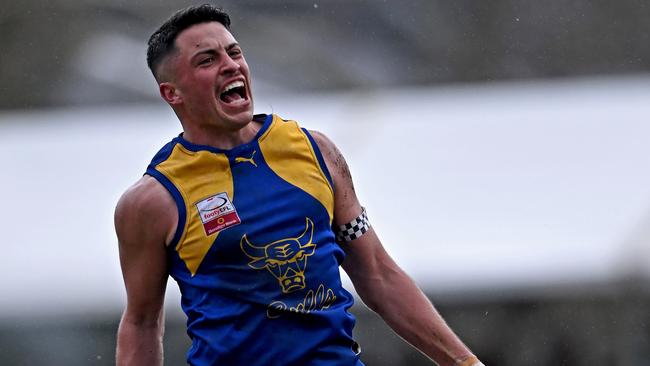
219 138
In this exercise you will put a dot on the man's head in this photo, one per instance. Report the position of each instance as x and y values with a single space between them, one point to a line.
201 70
162 41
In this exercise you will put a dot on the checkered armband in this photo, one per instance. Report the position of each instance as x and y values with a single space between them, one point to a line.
353 229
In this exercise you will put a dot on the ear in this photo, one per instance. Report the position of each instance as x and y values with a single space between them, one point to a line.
170 93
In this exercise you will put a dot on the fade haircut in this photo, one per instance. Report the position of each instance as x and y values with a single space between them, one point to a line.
162 41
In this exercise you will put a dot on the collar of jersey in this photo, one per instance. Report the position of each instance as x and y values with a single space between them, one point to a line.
268 118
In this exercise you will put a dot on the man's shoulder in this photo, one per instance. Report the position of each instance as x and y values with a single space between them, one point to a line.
147 199
330 152
321 139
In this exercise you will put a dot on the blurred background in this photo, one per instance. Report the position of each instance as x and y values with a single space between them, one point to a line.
502 149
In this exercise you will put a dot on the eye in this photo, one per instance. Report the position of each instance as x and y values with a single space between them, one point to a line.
235 52
206 61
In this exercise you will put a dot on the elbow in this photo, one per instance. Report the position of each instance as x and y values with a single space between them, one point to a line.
372 304
143 319
143 325
381 291
372 297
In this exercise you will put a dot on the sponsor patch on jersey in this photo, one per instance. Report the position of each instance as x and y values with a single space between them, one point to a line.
217 213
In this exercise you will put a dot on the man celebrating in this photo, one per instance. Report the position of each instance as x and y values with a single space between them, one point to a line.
252 216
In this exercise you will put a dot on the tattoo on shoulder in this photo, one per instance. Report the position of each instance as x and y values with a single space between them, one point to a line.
335 156
342 166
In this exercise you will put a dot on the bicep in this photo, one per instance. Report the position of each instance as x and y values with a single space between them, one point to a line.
141 229
145 275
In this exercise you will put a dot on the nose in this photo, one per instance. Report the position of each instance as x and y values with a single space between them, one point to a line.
230 66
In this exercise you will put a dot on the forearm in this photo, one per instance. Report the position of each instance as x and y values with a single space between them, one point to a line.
398 300
139 343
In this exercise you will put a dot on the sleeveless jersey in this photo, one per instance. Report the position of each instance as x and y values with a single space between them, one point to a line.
254 253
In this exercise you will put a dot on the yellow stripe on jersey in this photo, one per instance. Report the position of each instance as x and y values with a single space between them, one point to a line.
284 140
205 174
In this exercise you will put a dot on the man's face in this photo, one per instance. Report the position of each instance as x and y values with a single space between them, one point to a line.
211 77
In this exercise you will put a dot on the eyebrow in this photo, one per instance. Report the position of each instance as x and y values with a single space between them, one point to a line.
231 46
212 51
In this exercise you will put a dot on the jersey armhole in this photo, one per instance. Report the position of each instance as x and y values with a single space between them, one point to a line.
319 157
178 198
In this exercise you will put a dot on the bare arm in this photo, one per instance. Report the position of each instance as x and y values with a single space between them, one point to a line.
382 285
145 218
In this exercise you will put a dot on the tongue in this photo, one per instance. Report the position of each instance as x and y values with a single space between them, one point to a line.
231 97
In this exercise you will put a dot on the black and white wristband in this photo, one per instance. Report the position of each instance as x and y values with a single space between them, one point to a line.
353 229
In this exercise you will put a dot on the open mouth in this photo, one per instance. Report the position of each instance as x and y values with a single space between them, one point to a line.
233 92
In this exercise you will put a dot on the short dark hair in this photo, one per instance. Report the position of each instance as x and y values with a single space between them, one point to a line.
161 42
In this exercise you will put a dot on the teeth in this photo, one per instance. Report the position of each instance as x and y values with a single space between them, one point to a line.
235 84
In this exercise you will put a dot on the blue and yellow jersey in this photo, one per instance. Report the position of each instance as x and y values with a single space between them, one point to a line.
254 254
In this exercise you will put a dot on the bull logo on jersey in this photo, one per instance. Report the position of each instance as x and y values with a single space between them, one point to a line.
286 258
